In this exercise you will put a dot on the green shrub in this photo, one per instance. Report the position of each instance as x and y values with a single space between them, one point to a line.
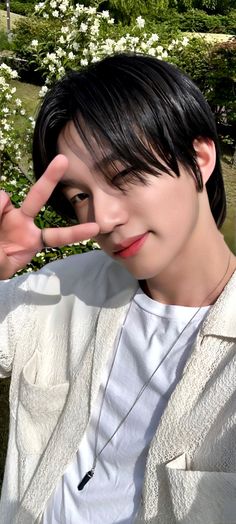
22 8
200 22
194 60
4 42
213 69
32 28
26 30
222 82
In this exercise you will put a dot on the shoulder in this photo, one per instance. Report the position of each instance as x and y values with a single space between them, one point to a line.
90 276
221 321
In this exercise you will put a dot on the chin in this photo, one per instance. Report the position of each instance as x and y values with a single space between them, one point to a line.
141 273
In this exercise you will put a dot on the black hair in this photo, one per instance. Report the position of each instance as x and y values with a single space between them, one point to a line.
145 111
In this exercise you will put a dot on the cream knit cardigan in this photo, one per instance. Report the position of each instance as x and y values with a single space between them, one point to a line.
56 330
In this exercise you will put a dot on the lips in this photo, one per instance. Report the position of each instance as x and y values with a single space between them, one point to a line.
130 246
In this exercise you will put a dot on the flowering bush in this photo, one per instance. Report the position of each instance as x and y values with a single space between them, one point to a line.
80 35
15 169
86 35
13 146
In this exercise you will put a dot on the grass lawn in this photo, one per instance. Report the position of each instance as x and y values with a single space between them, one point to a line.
28 94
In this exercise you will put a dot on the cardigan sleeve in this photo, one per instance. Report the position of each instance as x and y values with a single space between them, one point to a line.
10 308
7 306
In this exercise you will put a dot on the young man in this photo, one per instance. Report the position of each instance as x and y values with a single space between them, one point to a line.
123 360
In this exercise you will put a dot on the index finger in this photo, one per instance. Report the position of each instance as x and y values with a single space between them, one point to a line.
43 188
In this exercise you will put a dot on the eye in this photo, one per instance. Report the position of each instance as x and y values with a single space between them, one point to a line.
79 198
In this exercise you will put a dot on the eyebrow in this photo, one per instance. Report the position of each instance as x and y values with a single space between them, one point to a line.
97 165
105 161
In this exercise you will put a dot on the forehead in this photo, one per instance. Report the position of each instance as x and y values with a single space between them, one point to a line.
96 156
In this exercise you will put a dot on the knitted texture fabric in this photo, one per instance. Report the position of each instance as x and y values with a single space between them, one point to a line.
56 334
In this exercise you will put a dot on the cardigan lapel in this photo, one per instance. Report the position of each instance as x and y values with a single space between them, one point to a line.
111 318
194 404
69 431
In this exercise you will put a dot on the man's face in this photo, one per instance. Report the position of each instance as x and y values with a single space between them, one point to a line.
146 227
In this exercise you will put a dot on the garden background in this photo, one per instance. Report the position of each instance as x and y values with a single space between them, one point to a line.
46 39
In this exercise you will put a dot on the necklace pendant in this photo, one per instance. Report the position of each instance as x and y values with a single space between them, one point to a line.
85 479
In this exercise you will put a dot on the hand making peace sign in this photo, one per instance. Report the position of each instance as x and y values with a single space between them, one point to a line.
20 238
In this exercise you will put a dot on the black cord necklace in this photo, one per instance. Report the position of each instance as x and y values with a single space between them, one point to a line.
90 473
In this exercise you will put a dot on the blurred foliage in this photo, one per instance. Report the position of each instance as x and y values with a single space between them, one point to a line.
20 7
213 68
4 42
210 6
30 28
200 22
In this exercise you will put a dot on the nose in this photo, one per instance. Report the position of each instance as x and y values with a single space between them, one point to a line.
109 210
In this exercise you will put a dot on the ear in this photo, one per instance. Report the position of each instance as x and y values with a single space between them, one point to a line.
206 156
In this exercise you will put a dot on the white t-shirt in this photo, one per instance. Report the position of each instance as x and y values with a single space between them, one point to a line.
113 494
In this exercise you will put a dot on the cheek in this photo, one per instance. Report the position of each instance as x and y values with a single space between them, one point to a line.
175 212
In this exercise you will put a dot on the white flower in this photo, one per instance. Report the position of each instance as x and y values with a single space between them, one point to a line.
53 4
96 245
65 29
91 10
105 14
39 6
55 13
152 51
34 43
154 37
3 178
75 46
61 40
63 8
84 62
83 27
143 46
71 55
45 15
22 112
140 22
18 102
13 90
185 41
110 21
60 52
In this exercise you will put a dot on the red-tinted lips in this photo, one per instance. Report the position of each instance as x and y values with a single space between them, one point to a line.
121 248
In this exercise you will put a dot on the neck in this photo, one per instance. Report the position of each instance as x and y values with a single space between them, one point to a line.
195 280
